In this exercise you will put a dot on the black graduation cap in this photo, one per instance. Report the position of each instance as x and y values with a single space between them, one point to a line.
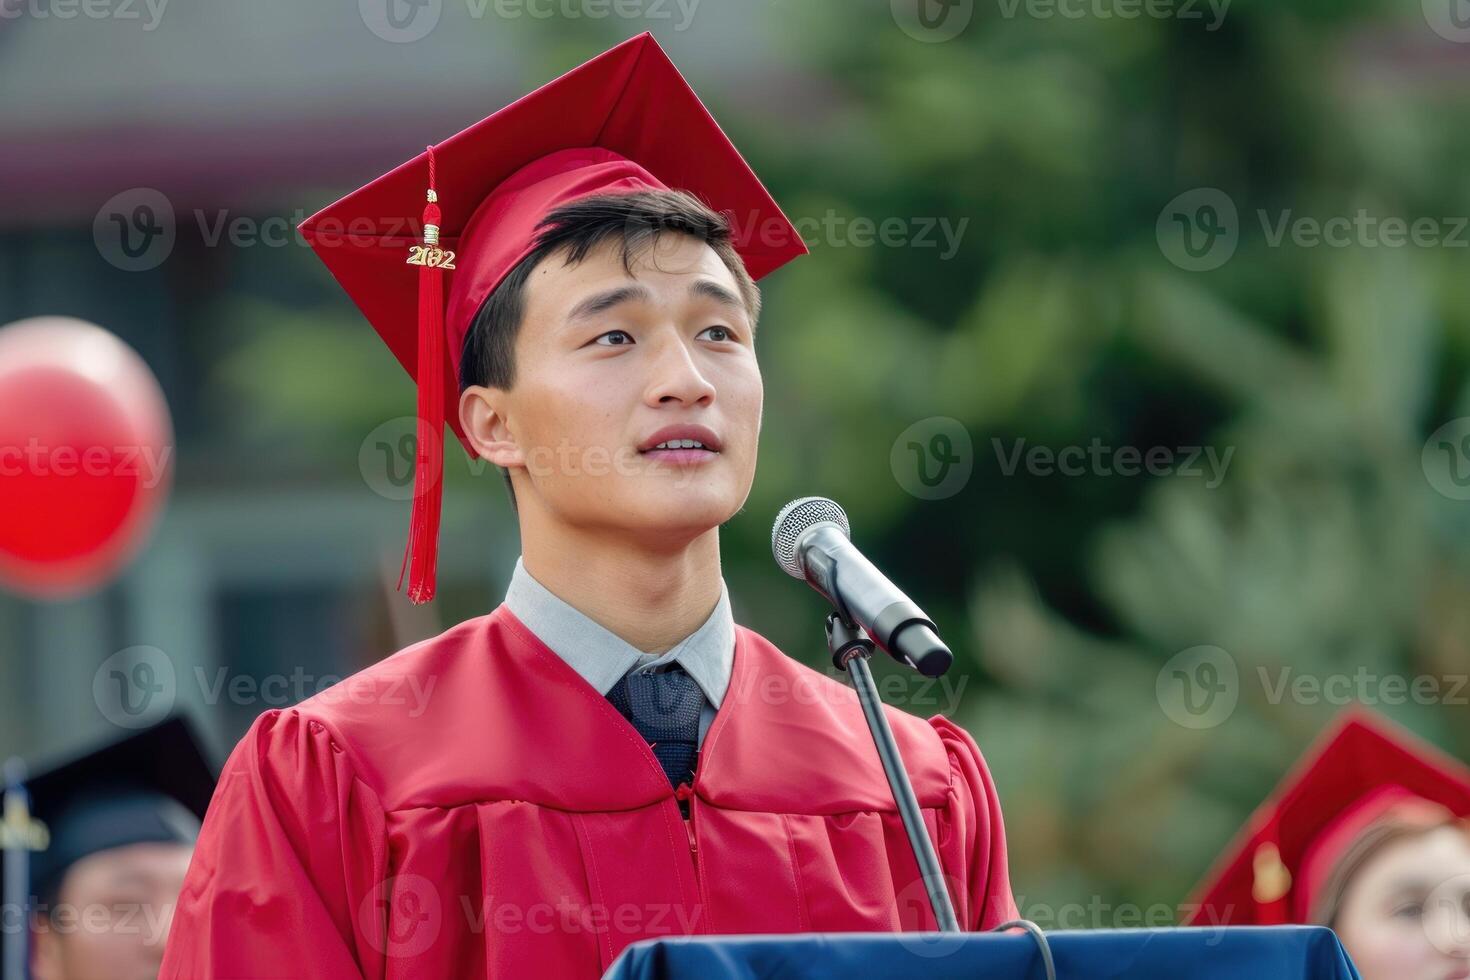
152 786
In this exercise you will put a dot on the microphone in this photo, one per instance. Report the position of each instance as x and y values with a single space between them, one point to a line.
811 541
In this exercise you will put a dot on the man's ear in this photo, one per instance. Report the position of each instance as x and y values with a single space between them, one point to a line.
482 416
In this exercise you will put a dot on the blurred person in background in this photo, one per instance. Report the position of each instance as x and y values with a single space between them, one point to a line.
1367 836
112 833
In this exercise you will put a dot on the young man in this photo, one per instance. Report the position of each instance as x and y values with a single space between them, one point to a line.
606 757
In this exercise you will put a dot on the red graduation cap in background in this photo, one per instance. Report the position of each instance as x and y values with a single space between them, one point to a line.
1362 770
626 121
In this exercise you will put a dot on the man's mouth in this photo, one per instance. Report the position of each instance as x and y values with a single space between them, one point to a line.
682 444
679 444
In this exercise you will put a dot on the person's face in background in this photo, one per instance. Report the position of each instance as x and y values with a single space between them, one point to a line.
1405 915
112 915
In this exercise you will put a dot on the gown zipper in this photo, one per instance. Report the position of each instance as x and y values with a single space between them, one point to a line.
686 792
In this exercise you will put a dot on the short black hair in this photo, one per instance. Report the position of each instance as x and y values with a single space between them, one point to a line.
635 221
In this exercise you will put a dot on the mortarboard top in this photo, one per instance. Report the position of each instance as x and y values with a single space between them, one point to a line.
1361 770
623 122
152 786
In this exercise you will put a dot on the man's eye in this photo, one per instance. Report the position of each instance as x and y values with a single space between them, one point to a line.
718 333
614 338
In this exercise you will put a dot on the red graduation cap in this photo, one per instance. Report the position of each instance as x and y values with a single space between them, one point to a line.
1362 770
626 121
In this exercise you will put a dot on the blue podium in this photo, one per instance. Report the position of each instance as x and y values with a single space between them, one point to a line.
1246 953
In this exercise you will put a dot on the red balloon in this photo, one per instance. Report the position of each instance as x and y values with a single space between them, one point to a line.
86 455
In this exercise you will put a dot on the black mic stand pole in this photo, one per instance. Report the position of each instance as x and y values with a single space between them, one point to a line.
851 648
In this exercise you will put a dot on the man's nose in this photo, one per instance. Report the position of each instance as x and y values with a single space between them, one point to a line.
674 375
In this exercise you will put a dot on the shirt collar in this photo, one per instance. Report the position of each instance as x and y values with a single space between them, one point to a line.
602 657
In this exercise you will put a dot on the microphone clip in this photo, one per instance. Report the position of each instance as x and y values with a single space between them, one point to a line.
846 640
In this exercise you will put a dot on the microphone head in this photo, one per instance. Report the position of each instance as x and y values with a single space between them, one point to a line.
794 520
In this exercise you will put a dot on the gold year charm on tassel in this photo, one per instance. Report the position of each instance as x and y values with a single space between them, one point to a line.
430 255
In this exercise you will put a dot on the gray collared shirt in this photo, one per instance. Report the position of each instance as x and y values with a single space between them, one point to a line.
602 657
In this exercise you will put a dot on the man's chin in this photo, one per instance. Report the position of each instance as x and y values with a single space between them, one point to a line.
672 513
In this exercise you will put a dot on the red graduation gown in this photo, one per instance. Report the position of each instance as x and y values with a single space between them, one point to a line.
513 823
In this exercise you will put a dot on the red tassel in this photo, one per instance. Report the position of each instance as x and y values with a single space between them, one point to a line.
422 554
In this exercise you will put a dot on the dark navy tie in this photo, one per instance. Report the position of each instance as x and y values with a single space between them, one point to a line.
664 706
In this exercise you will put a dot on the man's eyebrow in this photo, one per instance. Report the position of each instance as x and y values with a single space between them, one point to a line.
710 289
599 303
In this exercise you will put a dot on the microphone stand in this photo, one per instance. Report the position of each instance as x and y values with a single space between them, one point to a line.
851 648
